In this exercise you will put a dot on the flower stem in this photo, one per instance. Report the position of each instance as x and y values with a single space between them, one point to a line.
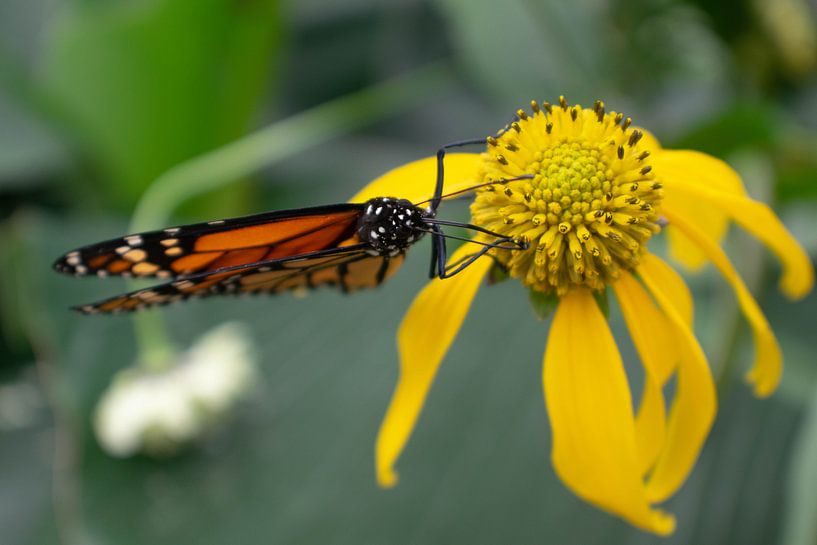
260 149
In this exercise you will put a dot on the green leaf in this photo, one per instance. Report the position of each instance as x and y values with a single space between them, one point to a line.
560 42
800 522
29 151
150 84
543 303
497 274
744 125
603 301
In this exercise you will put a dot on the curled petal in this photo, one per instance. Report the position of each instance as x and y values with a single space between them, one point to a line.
679 169
673 285
591 417
428 329
693 409
761 221
415 181
768 366
654 338
650 423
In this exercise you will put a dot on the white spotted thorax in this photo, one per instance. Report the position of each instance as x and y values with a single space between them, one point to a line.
391 225
590 207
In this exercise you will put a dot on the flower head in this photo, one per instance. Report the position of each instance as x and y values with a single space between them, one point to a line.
595 191
159 411
590 207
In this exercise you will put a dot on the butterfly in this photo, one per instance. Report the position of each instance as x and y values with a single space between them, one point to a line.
348 245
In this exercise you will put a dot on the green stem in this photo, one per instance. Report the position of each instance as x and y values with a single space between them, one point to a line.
261 149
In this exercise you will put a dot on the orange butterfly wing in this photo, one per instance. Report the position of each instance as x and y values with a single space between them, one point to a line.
350 268
182 251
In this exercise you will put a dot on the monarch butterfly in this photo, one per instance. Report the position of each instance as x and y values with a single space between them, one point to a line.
350 245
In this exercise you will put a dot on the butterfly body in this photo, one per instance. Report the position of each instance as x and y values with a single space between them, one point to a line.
391 225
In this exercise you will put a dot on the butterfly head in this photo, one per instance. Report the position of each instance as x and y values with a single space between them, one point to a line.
391 225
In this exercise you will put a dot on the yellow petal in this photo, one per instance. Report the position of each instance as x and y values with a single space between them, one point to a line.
428 329
655 341
591 417
761 221
768 365
415 181
650 424
693 409
673 285
648 141
678 169
688 167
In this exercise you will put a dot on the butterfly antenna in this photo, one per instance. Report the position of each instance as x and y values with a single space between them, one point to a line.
501 181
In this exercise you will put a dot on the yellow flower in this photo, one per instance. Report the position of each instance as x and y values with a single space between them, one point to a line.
600 189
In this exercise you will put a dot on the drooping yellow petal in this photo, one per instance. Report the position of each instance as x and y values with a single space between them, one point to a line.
768 365
657 348
761 221
693 409
682 168
650 423
673 285
428 329
415 181
591 417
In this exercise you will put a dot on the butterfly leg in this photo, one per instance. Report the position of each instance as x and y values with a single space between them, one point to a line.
435 250
440 254
438 189
462 264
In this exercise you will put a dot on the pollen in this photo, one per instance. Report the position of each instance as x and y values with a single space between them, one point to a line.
589 202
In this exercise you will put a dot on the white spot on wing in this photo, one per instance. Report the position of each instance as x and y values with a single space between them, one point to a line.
134 240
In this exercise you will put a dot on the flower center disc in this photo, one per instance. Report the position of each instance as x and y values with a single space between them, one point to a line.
589 207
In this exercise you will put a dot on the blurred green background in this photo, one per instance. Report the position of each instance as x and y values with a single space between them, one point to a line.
231 107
